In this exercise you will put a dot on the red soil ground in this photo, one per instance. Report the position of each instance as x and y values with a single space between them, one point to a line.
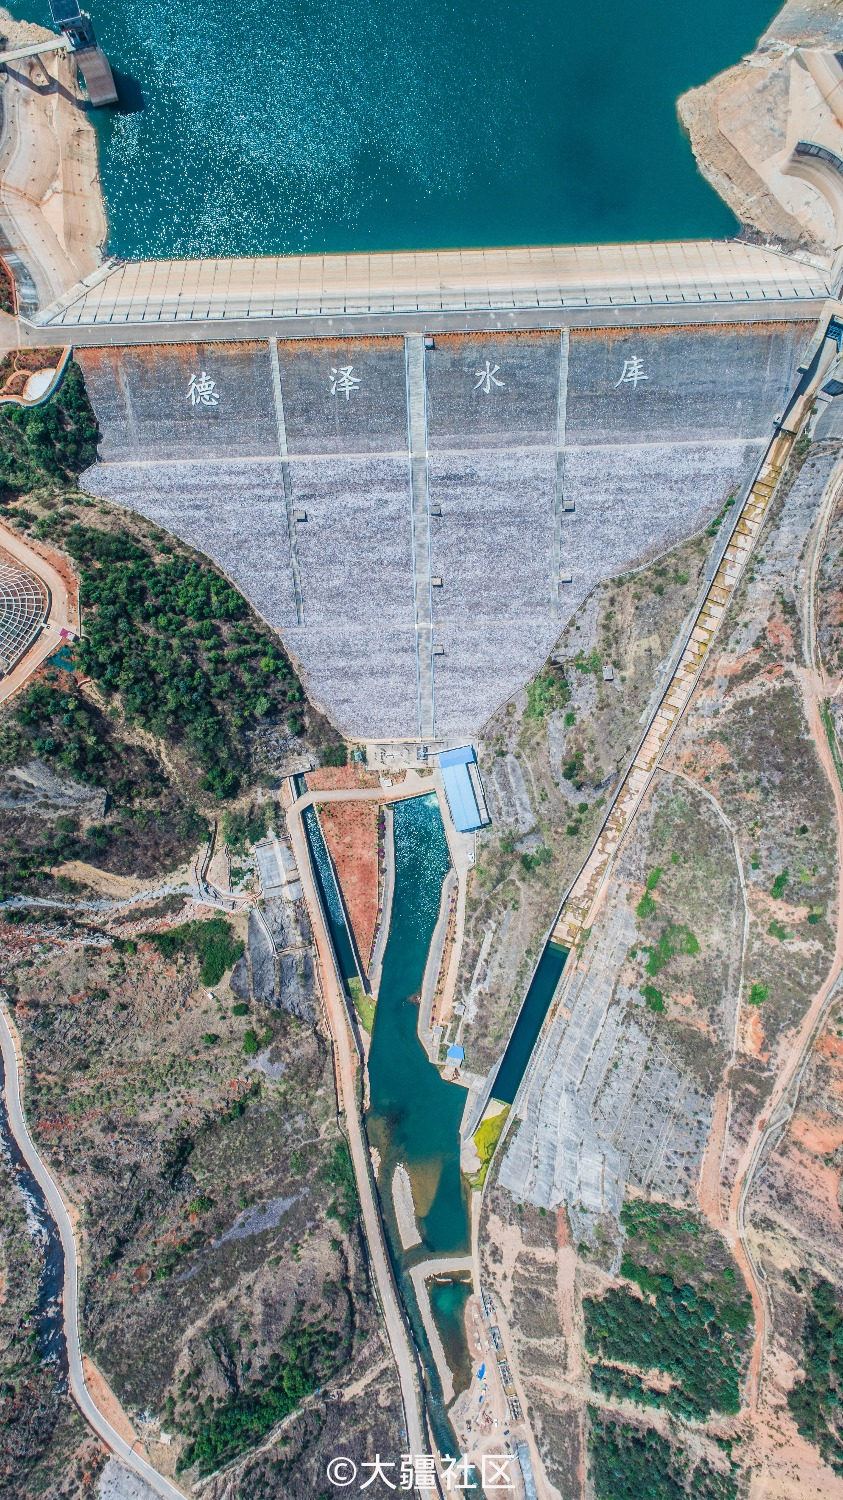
351 833
340 778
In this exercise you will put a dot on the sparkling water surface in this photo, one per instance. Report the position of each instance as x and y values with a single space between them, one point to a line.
325 126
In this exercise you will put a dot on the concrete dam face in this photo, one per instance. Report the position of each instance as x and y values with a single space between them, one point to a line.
417 522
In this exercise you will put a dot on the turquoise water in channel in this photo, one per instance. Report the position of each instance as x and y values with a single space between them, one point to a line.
448 1298
414 1115
529 1023
331 899
324 126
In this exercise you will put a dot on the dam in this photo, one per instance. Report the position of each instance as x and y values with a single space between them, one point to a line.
362 489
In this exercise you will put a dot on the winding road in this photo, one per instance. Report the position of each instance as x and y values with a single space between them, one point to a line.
12 1067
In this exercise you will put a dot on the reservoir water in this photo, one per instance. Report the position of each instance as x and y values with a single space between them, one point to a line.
318 126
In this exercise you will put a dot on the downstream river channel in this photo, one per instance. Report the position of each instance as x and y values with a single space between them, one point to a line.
317 126
414 1115
47 1247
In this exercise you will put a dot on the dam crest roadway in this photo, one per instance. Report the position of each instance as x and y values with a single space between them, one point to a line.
389 292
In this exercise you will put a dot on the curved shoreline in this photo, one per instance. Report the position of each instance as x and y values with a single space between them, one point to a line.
52 214
55 1204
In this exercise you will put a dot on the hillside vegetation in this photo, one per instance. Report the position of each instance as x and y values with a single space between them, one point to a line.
166 701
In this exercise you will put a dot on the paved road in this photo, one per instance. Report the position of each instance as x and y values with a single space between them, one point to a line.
347 1070
70 1300
413 785
371 325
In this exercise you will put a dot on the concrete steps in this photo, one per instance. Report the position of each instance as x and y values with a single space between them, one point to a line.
576 913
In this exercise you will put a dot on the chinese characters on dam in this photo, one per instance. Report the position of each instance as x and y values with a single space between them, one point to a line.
202 390
559 475
487 377
344 381
632 372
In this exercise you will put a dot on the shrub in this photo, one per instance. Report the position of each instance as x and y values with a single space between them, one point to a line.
213 942
547 693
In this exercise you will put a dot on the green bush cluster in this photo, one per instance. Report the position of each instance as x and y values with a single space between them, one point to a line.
46 446
173 639
339 1172
533 860
654 997
672 940
307 1357
64 728
692 1322
547 693
213 942
242 828
679 1334
816 1399
647 906
630 1462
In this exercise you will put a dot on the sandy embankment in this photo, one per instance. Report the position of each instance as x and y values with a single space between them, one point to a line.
52 216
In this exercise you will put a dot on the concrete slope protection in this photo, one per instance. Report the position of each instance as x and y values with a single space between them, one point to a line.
60 617
370 526
70 1293
573 1023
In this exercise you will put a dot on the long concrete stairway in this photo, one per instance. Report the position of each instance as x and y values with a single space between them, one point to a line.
575 915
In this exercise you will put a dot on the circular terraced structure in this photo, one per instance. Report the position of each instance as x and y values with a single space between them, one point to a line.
24 606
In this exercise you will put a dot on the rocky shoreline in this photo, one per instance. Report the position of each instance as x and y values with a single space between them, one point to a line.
745 126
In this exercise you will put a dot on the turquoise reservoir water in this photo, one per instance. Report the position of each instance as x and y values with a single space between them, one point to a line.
414 1115
317 125
529 1022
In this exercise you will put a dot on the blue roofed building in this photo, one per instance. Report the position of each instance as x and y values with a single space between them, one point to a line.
463 788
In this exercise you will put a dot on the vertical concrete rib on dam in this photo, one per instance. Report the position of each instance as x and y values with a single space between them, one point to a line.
285 478
436 503
559 495
420 508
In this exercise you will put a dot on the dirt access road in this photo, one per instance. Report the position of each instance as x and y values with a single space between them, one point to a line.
779 1106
